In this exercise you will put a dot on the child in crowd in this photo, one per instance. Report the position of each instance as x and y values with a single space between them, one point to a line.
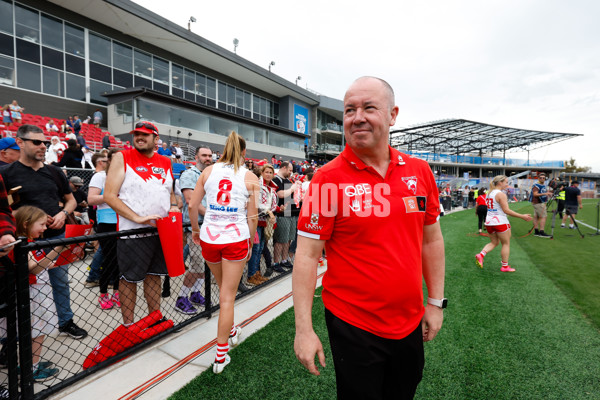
6 119
31 222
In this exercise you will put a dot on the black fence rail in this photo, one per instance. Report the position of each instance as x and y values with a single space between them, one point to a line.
29 329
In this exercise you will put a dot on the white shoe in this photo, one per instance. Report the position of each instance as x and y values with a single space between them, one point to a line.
235 339
219 367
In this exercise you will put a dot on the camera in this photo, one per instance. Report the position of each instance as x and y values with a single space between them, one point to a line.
557 185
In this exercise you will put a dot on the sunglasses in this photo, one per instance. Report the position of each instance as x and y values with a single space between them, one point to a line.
36 142
147 126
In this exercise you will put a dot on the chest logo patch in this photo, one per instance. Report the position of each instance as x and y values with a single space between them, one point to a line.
141 169
415 204
411 183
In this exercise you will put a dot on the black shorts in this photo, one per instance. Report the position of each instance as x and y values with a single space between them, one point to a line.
139 257
368 366
571 210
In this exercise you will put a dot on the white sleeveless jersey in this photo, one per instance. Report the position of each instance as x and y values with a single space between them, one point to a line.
226 198
495 214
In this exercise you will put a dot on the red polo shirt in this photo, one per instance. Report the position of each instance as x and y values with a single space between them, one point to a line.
373 228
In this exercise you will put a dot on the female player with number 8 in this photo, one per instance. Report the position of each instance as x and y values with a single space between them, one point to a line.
496 222
230 220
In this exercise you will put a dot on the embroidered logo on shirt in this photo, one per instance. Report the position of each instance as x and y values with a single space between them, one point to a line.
411 183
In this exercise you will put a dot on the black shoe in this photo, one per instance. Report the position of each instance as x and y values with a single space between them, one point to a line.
287 264
278 268
242 288
4 392
268 272
72 330
544 235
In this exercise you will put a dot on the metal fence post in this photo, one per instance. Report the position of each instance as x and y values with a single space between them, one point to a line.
208 290
11 326
24 321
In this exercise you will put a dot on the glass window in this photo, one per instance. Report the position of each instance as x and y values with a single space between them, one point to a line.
142 64
122 57
230 96
6 22
53 82
75 65
28 76
100 49
7 71
239 98
201 85
142 82
211 88
7 45
160 87
75 87
247 101
28 51
52 58
189 80
52 32
74 42
222 93
100 72
96 90
121 78
177 76
161 71
27 24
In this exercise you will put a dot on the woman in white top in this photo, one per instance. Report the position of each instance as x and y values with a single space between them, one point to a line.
496 222
230 220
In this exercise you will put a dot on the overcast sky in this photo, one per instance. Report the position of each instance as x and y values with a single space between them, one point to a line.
530 64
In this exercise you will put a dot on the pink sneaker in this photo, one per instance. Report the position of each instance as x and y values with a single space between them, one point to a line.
479 260
105 301
507 269
116 300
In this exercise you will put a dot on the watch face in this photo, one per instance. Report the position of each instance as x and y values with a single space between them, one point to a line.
444 303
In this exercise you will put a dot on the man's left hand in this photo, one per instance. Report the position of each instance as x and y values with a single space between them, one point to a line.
6 239
432 322
58 221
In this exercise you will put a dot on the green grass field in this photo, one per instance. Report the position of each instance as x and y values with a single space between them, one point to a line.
532 334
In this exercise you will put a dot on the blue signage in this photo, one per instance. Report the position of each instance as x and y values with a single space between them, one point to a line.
300 119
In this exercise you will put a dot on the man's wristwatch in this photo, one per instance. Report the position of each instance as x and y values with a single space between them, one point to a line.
441 303
66 212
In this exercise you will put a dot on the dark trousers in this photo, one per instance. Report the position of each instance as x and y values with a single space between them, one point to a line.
481 213
110 266
368 366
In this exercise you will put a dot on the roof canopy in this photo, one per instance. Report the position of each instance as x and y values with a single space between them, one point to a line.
460 136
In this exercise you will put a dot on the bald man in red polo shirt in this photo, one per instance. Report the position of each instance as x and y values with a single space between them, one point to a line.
376 212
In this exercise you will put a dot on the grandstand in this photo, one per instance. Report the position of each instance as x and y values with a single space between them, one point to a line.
92 134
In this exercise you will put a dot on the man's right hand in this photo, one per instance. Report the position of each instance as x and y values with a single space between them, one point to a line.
147 220
306 346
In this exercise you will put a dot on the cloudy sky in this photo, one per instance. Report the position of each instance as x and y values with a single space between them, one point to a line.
531 64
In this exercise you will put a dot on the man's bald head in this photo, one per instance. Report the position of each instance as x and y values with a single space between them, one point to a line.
391 98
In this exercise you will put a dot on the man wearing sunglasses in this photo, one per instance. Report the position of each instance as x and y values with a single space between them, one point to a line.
46 187
139 188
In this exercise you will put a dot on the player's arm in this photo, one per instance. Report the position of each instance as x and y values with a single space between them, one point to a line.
304 279
501 199
195 204
253 188
434 266
114 180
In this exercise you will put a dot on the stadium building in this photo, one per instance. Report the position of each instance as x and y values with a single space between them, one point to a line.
65 57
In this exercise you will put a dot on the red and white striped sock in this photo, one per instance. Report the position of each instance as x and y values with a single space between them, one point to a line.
222 350
233 331
483 253
504 264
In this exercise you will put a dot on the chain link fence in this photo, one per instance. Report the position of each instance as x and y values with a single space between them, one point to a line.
29 327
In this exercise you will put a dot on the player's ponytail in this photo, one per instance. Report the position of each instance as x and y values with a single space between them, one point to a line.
232 153
497 179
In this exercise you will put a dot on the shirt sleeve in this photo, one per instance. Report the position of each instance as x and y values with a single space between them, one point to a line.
432 213
317 216
7 221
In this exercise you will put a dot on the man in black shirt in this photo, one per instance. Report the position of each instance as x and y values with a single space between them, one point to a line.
287 218
572 203
45 187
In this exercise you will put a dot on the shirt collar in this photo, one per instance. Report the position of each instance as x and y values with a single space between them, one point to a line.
396 158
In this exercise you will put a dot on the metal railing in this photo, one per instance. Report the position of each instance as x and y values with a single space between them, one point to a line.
64 352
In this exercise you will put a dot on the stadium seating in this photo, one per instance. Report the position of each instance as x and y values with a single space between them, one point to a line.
92 135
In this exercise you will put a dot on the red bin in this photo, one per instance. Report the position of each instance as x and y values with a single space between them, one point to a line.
170 232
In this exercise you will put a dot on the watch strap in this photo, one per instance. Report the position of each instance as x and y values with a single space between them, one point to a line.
441 303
